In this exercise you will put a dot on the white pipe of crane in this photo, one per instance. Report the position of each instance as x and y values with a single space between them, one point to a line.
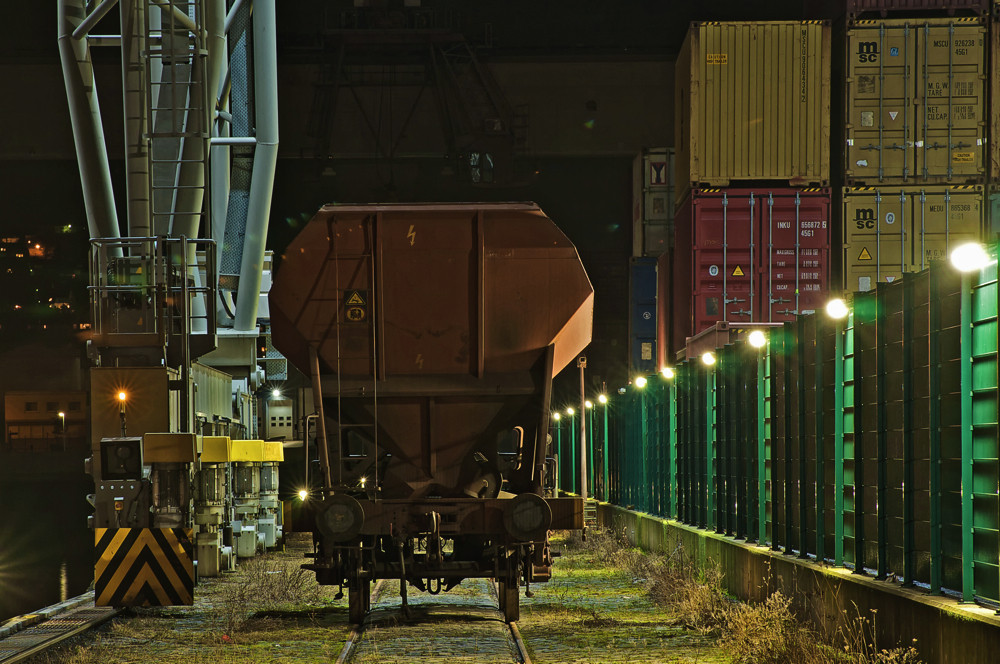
265 64
232 14
233 140
218 163
85 116
104 40
93 18
135 119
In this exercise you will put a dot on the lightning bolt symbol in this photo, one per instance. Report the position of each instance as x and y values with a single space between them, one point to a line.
411 234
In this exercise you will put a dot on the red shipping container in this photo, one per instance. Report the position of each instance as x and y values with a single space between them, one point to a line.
748 255
664 308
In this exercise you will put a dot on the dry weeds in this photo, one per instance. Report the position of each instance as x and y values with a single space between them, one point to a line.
266 583
764 633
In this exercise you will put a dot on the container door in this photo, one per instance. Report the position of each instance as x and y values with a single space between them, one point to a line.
652 202
724 247
943 218
916 101
879 101
951 100
795 257
658 201
875 237
642 321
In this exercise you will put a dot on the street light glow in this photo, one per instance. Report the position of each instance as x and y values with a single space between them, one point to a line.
602 398
969 257
837 309
588 403
570 411
303 494
276 393
667 372
122 397
640 382
707 358
757 339
555 416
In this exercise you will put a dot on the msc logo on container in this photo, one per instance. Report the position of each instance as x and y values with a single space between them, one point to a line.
867 51
864 218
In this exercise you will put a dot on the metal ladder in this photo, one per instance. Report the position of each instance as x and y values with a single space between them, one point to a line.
175 59
590 514
340 313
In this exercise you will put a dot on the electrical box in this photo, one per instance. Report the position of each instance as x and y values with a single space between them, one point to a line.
169 447
121 459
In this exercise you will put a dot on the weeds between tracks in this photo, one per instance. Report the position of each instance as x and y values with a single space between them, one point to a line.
768 632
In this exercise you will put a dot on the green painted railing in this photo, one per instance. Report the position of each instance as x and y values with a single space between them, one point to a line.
870 442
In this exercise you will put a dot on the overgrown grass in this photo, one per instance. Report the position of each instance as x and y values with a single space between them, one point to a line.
764 633
269 610
265 584
769 633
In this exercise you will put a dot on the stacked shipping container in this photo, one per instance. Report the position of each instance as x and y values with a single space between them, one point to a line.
652 235
753 116
917 126
652 202
753 124
754 255
642 319
752 102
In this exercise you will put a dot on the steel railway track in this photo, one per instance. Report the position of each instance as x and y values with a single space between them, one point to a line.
458 627
39 637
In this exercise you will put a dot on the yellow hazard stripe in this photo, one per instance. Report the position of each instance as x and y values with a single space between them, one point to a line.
144 566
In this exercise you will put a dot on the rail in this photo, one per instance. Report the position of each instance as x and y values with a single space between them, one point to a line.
32 634
472 620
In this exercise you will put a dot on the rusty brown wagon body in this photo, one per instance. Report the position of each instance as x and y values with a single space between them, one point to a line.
432 333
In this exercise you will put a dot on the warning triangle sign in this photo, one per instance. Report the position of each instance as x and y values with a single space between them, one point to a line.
738 272
356 299
865 256
890 279
893 114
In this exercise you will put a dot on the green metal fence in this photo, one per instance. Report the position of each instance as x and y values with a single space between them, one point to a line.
870 442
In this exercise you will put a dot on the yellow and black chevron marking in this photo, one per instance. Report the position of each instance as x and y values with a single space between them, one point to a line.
144 567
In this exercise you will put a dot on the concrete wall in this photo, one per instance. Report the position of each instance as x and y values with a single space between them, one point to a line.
946 631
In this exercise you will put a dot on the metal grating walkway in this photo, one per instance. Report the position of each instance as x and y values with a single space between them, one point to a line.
37 638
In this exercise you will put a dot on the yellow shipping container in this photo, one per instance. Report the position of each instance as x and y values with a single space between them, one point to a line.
916 101
753 103
891 230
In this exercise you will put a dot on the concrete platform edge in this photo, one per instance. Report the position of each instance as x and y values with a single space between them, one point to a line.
945 630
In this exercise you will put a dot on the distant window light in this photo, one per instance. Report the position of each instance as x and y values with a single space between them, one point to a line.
30 405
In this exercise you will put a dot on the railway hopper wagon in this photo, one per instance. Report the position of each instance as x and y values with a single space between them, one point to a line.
431 334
